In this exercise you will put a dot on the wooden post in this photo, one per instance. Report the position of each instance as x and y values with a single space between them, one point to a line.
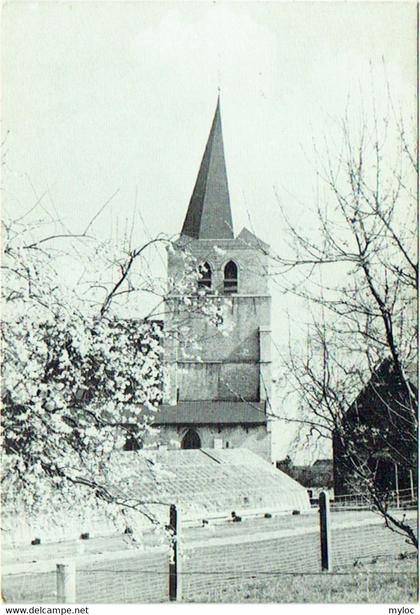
412 486
325 531
175 584
397 489
66 582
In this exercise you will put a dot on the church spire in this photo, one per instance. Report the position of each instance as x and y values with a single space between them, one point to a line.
209 215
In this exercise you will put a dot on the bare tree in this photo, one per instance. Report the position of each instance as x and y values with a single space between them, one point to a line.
354 374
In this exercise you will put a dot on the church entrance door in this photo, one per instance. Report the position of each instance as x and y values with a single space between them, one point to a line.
191 440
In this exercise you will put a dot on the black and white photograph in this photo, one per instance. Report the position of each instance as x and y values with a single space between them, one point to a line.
209 318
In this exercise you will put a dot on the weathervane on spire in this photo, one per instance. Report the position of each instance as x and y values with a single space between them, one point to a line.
219 78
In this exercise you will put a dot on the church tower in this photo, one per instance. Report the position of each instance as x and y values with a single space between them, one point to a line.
218 397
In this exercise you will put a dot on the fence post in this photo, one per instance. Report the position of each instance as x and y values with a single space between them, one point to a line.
397 487
66 582
175 584
412 486
325 531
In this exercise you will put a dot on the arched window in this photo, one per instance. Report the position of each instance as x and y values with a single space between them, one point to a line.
230 284
205 273
191 440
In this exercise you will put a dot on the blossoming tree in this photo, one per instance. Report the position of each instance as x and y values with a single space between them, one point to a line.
77 376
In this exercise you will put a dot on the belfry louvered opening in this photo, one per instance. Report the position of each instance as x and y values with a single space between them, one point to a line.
205 276
230 282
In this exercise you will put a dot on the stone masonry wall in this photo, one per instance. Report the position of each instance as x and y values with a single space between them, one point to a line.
256 438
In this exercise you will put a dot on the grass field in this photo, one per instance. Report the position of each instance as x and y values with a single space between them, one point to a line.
364 584
273 560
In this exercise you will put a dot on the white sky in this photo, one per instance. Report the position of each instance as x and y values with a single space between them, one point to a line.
100 96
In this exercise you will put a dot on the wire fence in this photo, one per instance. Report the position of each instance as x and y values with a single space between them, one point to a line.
140 578
369 543
32 586
210 571
250 566
127 577
403 498
264 559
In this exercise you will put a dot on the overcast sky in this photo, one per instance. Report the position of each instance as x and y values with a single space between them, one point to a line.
101 96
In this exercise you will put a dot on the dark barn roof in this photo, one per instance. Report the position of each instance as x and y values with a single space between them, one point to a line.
384 414
383 397
211 412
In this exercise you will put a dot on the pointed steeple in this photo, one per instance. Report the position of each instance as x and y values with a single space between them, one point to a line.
209 215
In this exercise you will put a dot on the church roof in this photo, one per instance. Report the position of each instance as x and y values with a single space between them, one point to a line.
209 215
211 412
249 240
